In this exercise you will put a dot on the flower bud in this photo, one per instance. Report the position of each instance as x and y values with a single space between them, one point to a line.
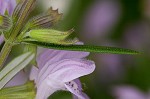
51 36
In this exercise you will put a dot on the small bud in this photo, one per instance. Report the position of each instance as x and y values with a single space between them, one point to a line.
51 36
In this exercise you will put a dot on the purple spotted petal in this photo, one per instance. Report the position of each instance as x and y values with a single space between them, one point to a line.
53 56
77 81
76 88
56 76
128 92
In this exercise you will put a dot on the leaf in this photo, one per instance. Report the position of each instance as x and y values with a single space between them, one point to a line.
85 48
14 67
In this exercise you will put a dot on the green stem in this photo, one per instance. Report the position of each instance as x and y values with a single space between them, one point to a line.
15 31
5 52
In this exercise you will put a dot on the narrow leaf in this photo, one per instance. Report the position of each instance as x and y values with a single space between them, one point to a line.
85 48
14 67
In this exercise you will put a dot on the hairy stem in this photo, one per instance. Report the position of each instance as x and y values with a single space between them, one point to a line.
15 31
5 52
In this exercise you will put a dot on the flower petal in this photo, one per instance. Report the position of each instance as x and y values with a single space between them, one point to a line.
34 73
7 5
53 56
66 70
56 55
45 90
128 92
20 79
11 6
75 88
48 87
3 6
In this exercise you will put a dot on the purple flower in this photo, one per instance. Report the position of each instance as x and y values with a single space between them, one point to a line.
8 5
1 39
60 70
100 19
129 92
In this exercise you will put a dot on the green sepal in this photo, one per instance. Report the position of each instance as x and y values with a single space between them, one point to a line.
45 20
26 91
18 9
50 36
5 23
85 48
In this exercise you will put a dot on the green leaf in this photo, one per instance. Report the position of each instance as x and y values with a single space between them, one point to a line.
85 48
14 67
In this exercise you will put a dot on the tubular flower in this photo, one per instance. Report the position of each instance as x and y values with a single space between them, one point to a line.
60 70
8 5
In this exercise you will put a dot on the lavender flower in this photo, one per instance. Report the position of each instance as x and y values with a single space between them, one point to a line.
129 92
60 70
1 39
8 5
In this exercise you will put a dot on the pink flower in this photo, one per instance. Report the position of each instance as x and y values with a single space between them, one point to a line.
60 70
129 92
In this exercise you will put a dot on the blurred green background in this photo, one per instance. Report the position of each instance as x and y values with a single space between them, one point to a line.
119 23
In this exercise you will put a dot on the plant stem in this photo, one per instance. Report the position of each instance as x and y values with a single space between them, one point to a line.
16 30
5 52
